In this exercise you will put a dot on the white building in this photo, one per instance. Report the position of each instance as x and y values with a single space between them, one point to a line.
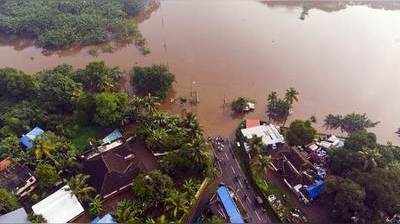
269 134
59 207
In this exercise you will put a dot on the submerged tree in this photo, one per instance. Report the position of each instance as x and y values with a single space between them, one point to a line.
241 105
349 123
155 80
279 109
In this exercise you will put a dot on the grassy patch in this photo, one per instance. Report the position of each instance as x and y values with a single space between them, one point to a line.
82 137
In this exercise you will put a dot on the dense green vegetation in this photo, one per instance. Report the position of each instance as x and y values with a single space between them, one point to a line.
8 201
155 80
73 106
349 123
300 133
365 185
56 24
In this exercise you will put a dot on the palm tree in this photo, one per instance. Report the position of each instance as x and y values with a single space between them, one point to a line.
265 160
177 202
272 97
79 187
256 145
333 121
370 158
44 148
190 186
96 206
292 95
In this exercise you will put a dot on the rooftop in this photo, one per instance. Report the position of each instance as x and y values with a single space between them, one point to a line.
269 134
113 169
28 139
15 176
16 216
59 207
229 205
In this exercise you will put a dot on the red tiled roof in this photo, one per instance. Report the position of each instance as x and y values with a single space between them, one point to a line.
252 123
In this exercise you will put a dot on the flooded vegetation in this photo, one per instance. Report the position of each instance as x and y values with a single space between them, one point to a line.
341 57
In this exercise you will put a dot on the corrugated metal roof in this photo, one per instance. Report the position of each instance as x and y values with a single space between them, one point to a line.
229 205
16 216
59 207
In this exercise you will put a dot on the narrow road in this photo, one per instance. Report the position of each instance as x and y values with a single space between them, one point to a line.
233 176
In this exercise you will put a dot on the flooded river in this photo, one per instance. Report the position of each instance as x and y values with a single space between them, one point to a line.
341 58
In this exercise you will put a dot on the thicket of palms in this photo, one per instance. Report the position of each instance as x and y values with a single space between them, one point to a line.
79 187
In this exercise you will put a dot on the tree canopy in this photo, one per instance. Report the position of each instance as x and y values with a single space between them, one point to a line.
8 201
349 123
366 179
300 133
56 24
279 109
110 108
155 80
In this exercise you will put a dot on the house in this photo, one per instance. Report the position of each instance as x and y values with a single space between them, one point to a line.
111 167
16 216
28 139
60 207
269 134
16 178
106 219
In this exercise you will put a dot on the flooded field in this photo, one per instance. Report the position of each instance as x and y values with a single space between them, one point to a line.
342 58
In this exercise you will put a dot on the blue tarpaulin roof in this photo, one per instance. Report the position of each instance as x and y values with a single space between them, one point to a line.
229 205
28 138
314 190
105 220
116 134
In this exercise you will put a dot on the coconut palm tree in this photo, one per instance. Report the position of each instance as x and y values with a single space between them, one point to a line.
291 95
272 97
256 145
177 203
370 158
79 187
333 121
265 160
190 186
96 206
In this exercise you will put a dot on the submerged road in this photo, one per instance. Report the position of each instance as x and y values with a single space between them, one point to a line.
234 177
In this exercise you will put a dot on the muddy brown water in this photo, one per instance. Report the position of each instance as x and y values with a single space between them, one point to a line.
341 60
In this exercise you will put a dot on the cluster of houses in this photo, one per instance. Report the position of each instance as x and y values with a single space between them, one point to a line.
302 170
112 166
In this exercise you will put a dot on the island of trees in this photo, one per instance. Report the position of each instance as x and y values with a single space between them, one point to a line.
59 24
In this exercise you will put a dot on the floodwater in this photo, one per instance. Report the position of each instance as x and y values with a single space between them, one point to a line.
341 58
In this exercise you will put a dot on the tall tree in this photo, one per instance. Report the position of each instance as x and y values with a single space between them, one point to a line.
111 108
177 203
79 187
300 133
8 201
16 85
97 77
291 95
47 176
96 206
155 80
58 92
